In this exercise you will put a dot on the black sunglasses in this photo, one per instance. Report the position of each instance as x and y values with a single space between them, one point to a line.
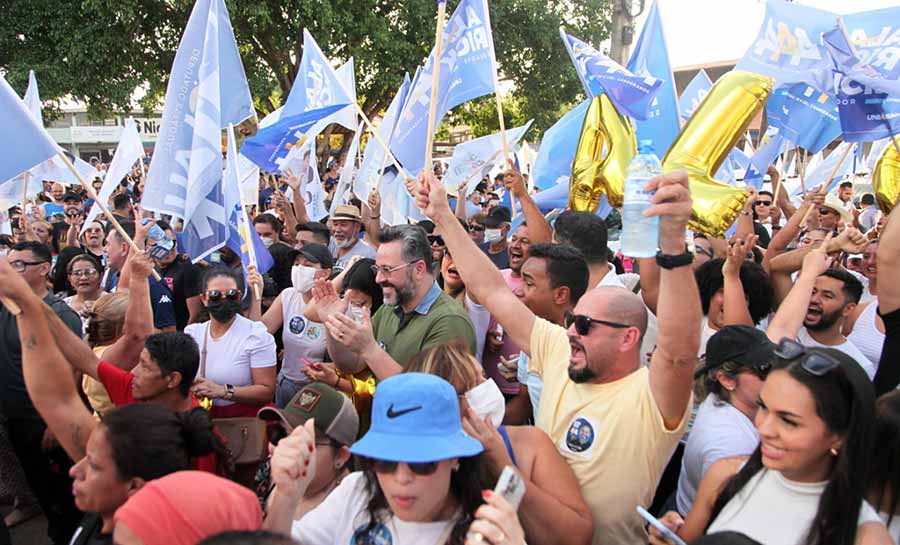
476 227
814 363
216 295
824 210
419 468
436 238
764 203
583 324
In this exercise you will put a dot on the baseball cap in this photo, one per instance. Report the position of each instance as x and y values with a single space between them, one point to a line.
346 212
833 202
334 412
72 196
317 253
415 418
741 344
496 216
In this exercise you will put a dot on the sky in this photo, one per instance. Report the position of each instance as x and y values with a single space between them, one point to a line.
702 31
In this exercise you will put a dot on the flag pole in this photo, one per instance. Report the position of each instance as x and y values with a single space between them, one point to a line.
93 194
499 101
435 78
824 189
801 170
25 176
251 251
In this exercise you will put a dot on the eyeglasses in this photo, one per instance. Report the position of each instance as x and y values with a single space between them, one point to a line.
419 468
216 295
19 266
763 203
824 210
814 363
436 239
583 324
385 270
85 273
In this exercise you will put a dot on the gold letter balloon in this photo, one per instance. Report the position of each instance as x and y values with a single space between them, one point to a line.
705 141
886 179
606 146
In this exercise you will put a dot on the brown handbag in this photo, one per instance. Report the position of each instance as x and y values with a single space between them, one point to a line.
245 437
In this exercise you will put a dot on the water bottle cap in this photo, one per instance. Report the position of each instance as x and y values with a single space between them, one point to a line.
645 146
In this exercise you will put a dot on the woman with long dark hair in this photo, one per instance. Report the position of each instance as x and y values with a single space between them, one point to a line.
802 485
883 489
422 477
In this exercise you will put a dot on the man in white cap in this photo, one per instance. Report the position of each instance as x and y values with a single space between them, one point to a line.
831 212
346 223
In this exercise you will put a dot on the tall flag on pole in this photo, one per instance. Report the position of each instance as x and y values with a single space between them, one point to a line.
32 99
694 94
242 237
24 142
270 148
651 58
823 170
805 116
479 153
374 156
631 94
553 164
348 173
207 91
316 85
128 152
466 73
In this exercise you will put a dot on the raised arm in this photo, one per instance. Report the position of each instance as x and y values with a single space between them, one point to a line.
299 205
48 377
783 237
482 278
538 229
745 218
678 307
371 216
461 202
735 305
789 318
126 351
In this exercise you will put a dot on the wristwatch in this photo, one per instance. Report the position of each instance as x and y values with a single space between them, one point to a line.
229 391
667 261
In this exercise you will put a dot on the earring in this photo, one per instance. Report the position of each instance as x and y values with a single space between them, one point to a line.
338 465
834 451
456 467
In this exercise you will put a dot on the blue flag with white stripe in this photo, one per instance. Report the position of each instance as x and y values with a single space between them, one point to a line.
772 145
207 91
242 237
466 73
631 94
651 58
805 116
269 147
694 94
557 150
316 85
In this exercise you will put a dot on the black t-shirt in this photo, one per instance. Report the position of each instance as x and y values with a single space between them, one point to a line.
888 375
283 258
183 280
12 382
59 235
500 259
88 532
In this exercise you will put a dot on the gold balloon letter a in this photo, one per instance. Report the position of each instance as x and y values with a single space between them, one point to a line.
594 173
886 179
705 142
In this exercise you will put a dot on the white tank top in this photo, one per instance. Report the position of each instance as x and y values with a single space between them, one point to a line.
776 511
302 338
865 334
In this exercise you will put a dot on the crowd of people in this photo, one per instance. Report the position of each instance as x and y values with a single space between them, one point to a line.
373 384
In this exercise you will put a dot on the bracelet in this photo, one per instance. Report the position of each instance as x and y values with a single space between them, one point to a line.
337 382
375 217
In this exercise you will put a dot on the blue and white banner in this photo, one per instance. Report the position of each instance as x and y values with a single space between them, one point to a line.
557 151
694 94
478 154
317 84
242 237
348 173
207 91
770 148
466 73
24 142
804 115
269 147
374 156
631 94
823 170
651 58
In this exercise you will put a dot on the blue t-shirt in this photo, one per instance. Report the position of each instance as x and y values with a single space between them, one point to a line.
160 300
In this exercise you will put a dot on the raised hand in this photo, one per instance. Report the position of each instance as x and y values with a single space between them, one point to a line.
141 265
292 462
374 202
672 203
326 297
817 261
514 181
737 253
496 523
357 337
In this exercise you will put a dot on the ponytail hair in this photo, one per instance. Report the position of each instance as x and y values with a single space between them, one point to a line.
150 441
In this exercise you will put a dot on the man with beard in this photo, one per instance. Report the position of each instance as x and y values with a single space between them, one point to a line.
616 422
815 309
416 314
346 222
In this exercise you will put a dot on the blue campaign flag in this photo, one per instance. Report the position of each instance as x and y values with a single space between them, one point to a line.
374 156
207 91
804 115
773 144
242 237
24 143
557 150
789 45
471 157
865 54
467 72
631 94
821 173
269 147
553 197
317 85
694 94
651 58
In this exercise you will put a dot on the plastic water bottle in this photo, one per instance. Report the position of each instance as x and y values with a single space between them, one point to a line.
640 234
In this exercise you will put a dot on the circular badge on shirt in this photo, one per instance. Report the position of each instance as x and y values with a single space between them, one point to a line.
378 535
580 436
314 332
297 325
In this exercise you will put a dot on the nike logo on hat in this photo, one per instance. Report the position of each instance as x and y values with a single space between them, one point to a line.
394 414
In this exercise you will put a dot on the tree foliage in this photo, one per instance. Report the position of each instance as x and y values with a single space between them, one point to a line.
101 51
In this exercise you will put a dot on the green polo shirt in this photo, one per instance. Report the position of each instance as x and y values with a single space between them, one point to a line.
438 319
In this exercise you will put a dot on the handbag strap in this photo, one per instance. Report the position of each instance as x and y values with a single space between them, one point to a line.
203 351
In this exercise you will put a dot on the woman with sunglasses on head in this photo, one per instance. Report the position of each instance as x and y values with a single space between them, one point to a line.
553 511
237 355
801 486
422 479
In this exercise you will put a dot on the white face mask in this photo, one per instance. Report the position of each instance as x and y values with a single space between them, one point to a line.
302 277
493 235
267 242
486 399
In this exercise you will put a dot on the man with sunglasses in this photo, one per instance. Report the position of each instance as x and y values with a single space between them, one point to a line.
24 426
616 423
831 212
815 309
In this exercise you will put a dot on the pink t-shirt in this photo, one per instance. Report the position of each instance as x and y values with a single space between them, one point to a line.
508 350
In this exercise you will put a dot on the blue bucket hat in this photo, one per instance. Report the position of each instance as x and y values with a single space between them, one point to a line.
415 418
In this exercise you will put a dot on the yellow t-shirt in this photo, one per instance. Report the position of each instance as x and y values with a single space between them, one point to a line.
94 390
612 435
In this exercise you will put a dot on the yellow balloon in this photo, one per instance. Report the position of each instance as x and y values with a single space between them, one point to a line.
886 179
606 146
705 141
